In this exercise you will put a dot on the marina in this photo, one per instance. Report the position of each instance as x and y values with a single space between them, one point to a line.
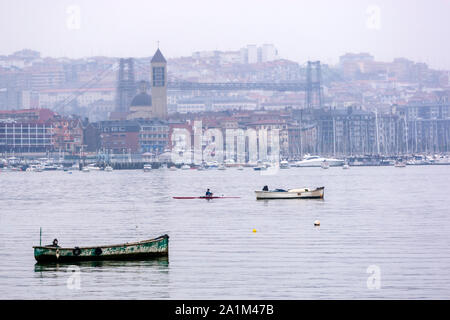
21 163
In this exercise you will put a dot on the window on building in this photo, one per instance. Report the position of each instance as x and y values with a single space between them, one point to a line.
158 77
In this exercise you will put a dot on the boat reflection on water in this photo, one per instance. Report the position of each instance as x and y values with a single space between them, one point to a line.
158 262
268 202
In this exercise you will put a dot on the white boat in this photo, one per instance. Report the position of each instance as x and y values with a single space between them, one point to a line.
85 169
221 167
443 160
212 165
229 162
419 160
399 164
240 167
345 166
301 193
316 161
147 167
173 168
284 165
185 167
49 167
325 165
93 167
109 168
34 168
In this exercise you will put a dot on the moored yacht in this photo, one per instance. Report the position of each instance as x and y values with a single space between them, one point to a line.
284 164
34 168
93 167
400 164
316 161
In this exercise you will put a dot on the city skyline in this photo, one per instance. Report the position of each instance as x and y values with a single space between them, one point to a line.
76 29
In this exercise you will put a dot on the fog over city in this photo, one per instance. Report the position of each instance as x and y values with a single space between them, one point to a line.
269 149
301 30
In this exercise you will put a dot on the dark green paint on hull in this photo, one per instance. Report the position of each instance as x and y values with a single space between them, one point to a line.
142 250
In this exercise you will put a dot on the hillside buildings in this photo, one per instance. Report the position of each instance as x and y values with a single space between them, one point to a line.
113 105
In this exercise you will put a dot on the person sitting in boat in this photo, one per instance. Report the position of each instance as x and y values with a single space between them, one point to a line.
54 243
208 193
265 188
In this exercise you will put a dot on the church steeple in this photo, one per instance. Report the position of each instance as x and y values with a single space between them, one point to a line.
159 85
158 57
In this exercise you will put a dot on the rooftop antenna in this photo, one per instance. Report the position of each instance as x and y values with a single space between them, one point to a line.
157 43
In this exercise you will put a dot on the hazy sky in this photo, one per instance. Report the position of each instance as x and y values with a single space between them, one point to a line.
301 30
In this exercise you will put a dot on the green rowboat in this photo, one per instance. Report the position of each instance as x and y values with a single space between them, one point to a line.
128 251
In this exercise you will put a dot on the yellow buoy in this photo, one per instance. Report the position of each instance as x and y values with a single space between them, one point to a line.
317 223
254 230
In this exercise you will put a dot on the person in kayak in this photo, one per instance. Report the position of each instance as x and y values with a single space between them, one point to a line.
208 193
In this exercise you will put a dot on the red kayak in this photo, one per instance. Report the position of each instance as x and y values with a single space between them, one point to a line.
207 198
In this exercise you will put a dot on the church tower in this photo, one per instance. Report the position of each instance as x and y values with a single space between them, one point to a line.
159 85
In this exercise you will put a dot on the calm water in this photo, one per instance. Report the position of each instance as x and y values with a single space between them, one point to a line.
394 218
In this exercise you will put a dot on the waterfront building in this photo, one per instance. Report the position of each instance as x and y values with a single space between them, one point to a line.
26 136
91 137
119 137
67 135
270 125
39 130
153 136
426 127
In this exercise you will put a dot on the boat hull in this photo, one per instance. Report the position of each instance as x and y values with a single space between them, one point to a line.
129 251
291 194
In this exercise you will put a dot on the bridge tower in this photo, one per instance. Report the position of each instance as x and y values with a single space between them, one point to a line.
126 85
313 88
